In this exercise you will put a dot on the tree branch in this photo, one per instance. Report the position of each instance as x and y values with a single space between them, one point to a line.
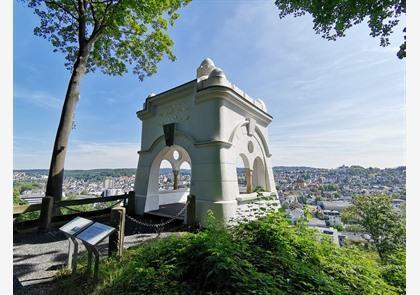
75 5
103 22
82 22
92 10
62 7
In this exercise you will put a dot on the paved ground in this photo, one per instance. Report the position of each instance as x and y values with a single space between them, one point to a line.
170 210
37 257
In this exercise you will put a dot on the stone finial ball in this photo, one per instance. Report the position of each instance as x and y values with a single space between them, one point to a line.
217 72
206 66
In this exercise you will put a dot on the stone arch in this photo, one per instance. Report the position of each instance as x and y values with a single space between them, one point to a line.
183 139
167 161
263 141
260 137
165 153
245 160
249 147
146 186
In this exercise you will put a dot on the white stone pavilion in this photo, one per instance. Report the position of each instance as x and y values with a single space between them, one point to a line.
210 123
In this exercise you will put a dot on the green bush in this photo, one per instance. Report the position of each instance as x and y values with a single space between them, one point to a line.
258 189
266 256
17 200
394 269
27 216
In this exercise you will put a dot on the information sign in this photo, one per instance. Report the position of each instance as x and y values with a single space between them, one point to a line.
76 226
95 233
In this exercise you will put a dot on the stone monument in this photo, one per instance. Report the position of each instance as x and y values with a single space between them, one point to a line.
208 123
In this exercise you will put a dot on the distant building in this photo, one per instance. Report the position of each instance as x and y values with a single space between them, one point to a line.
316 222
295 214
332 217
108 183
112 192
353 237
337 205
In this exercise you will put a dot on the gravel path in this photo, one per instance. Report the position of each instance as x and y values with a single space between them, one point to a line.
37 257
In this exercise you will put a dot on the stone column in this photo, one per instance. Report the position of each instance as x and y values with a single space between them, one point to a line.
248 177
176 172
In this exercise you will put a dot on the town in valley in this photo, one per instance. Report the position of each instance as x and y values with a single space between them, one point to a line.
322 192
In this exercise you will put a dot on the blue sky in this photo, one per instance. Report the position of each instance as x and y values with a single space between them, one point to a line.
333 103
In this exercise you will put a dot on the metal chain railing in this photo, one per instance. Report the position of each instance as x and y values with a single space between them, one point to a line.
158 226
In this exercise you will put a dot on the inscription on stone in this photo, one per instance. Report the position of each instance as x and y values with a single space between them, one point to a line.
174 113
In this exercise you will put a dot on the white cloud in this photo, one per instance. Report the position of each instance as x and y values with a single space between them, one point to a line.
333 102
87 155
37 97
84 155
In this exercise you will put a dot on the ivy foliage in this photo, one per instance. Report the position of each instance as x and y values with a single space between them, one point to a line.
117 33
333 18
265 256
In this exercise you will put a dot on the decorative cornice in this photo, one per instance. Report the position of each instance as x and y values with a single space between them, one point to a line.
168 95
229 94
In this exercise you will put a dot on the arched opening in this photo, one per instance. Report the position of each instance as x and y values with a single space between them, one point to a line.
166 177
185 176
258 174
167 184
243 174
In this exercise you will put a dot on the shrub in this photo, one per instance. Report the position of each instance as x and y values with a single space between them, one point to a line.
394 269
265 256
17 200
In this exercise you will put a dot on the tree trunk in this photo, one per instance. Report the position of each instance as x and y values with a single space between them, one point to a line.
56 172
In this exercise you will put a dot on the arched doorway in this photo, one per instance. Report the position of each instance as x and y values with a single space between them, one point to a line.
166 184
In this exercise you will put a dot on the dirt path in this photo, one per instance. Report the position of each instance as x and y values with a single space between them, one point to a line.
37 257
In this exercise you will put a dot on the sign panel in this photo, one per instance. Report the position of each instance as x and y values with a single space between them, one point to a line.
76 226
95 233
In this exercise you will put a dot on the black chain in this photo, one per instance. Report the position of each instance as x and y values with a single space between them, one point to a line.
158 226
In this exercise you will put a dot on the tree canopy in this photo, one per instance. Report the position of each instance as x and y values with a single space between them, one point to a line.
111 35
333 18
120 32
385 225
